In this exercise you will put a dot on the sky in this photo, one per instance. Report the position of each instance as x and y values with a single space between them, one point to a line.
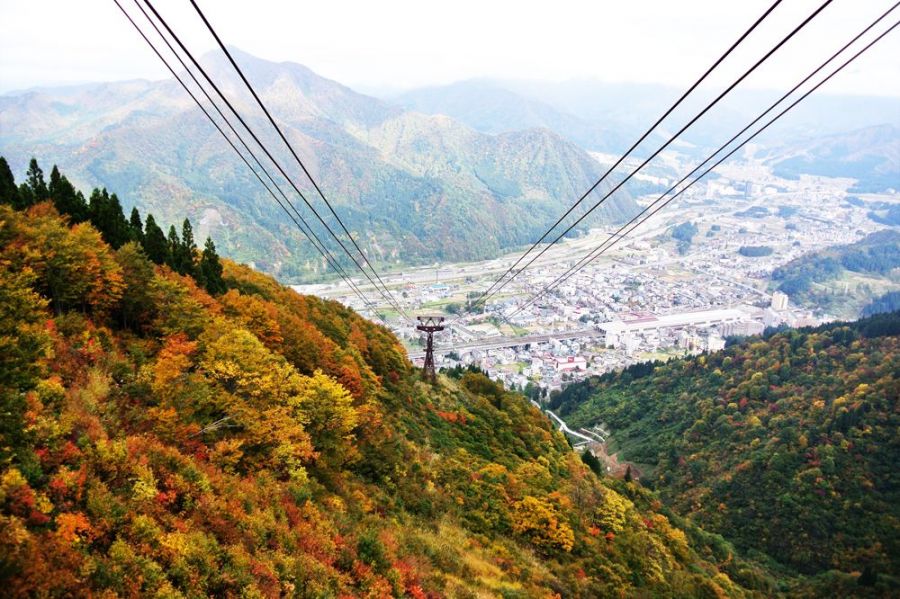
391 45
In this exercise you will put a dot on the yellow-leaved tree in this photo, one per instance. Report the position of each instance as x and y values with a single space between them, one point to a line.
73 267
276 412
259 400
539 522
330 418
612 514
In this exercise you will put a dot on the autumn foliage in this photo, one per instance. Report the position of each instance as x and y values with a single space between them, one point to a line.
787 445
161 440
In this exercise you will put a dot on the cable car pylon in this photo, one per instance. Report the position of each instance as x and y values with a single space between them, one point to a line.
429 325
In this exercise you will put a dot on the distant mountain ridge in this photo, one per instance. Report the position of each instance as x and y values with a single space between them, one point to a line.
870 155
490 107
833 135
412 188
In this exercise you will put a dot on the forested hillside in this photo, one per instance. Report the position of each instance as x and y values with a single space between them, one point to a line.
889 302
786 445
174 429
869 266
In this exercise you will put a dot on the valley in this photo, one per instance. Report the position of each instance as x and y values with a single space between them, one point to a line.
444 314
707 290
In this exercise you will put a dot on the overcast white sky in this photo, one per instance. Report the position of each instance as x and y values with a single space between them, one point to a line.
405 43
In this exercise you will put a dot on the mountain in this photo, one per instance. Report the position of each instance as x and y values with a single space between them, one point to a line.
412 188
631 107
489 107
599 116
889 302
605 116
870 155
160 440
785 445
214 433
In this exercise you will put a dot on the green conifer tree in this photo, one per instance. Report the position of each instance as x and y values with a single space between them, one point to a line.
210 269
187 249
34 179
120 228
173 243
9 193
95 205
106 215
155 243
593 463
66 198
97 210
137 227
55 179
25 197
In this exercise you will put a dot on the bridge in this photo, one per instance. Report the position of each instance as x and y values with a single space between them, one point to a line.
502 342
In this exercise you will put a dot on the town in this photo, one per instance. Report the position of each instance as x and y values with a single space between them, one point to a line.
688 279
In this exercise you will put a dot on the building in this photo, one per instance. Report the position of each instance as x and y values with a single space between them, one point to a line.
631 342
803 321
640 323
742 329
751 190
714 343
570 363
771 318
612 339
689 341
779 301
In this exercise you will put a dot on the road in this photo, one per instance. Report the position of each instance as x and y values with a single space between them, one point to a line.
565 428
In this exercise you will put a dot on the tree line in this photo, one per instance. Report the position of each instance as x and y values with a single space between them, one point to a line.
104 211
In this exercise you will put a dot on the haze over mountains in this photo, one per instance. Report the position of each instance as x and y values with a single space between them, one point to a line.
414 188
839 136
870 155
491 107
625 110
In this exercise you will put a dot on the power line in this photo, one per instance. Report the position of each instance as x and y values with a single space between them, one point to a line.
594 254
264 148
390 299
616 237
632 148
311 236
304 228
669 142
285 140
